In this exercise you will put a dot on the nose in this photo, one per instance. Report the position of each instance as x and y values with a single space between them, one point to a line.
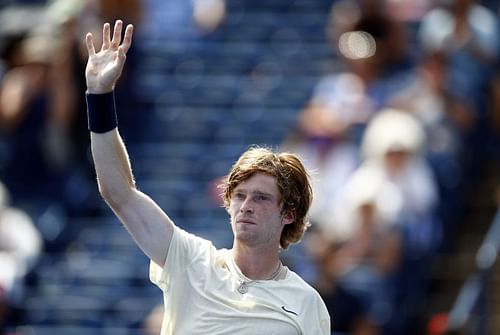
246 207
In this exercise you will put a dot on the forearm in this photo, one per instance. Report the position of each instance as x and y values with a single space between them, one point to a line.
114 173
145 220
112 165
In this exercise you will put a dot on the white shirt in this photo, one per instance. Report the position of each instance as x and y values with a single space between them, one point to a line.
200 289
20 245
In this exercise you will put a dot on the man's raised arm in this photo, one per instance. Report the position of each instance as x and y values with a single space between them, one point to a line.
146 222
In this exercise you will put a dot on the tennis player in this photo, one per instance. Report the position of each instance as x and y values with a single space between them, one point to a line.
245 290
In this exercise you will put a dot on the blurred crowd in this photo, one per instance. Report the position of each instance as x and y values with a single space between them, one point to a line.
393 137
42 112
44 141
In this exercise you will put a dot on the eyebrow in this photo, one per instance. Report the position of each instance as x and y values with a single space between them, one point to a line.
261 193
256 192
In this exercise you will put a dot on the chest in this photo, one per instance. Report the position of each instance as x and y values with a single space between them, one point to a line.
212 304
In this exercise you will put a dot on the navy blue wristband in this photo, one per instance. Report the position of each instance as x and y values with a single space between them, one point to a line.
101 112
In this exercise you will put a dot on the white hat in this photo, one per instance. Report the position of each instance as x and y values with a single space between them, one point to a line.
392 130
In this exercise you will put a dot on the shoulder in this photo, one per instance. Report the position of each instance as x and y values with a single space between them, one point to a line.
303 290
309 304
190 247
187 253
184 238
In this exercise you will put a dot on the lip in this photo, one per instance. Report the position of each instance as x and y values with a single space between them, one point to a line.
245 221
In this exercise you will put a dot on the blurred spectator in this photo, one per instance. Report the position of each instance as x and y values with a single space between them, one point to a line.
395 174
447 117
42 109
20 246
25 117
448 120
349 313
329 129
467 33
385 219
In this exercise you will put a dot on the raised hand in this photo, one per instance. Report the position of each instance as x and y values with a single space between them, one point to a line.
105 67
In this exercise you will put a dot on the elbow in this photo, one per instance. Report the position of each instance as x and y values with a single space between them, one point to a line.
115 197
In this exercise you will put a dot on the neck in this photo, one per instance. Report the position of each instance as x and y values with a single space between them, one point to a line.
256 264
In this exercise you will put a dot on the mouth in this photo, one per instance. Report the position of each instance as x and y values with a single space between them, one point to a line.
245 222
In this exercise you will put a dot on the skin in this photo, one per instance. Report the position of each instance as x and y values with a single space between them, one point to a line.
254 208
257 223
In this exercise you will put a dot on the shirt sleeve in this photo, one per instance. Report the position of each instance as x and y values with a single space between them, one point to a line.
184 249
321 319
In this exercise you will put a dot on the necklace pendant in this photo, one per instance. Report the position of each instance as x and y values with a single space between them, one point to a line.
243 288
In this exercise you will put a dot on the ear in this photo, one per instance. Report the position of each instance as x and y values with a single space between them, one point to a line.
288 217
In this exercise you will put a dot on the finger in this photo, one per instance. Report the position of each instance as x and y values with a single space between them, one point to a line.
89 40
117 34
106 36
127 39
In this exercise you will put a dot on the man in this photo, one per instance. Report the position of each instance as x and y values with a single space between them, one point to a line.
245 290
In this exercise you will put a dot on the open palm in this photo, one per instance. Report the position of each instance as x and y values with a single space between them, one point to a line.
105 67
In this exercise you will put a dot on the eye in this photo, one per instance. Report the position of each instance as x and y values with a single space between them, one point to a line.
239 195
261 197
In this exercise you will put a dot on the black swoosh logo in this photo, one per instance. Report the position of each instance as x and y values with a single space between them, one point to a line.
288 311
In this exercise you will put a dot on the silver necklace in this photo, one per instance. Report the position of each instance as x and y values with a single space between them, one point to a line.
243 287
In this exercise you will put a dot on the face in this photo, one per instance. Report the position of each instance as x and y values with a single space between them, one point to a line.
255 211
396 160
